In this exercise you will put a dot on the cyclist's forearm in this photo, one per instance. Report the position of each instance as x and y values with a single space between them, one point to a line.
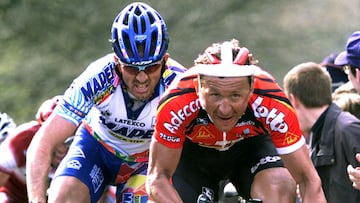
37 170
163 192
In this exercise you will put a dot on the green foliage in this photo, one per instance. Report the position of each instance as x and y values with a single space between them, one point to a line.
46 44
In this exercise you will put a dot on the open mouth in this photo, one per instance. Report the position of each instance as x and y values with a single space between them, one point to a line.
141 89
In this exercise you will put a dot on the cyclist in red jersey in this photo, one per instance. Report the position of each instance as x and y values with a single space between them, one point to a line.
226 118
13 155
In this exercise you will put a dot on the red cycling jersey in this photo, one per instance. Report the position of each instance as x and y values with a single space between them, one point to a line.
269 112
13 161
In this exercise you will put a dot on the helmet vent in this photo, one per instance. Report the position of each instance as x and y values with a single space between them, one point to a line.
127 44
126 19
153 43
151 19
137 11
140 49
143 26
135 26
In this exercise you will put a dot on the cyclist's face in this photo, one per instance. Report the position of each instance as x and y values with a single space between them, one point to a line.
141 84
225 99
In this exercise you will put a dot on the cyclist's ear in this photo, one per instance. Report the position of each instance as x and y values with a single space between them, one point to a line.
196 84
166 57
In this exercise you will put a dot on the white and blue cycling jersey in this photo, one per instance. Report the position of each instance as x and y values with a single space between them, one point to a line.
99 99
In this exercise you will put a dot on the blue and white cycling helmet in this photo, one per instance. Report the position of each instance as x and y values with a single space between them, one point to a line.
139 35
6 125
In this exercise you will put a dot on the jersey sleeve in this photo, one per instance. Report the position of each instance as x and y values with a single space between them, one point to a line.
178 107
272 108
173 70
94 85
165 132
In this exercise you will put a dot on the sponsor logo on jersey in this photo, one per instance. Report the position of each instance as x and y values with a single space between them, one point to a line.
273 117
291 138
243 123
137 129
178 117
204 133
133 132
101 97
130 122
97 177
74 164
134 198
69 109
98 83
265 160
169 138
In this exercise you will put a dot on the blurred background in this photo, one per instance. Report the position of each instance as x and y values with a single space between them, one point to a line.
44 45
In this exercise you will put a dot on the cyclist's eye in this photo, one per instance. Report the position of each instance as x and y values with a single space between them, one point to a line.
152 68
131 70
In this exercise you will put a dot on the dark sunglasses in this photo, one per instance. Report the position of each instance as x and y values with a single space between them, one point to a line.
148 69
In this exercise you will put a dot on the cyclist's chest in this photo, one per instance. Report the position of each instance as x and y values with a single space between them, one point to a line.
206 134
117 115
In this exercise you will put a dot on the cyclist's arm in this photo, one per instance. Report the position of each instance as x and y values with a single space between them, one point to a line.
301 168
162 164
39 155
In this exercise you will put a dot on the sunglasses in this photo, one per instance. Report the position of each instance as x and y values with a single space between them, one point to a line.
148 69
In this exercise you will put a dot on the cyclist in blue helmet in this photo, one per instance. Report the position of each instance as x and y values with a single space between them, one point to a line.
111 108
139 45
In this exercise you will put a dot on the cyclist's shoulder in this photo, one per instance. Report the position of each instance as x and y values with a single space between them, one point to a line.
101 67
27 129
172 63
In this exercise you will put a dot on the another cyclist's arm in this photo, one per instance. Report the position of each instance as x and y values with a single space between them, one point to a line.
162 165
301 168
53 133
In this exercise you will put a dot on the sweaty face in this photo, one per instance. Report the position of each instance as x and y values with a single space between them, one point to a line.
224 99
141 84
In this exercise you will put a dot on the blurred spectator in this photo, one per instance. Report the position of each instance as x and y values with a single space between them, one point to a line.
333 134
338 76
350 61
349 102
